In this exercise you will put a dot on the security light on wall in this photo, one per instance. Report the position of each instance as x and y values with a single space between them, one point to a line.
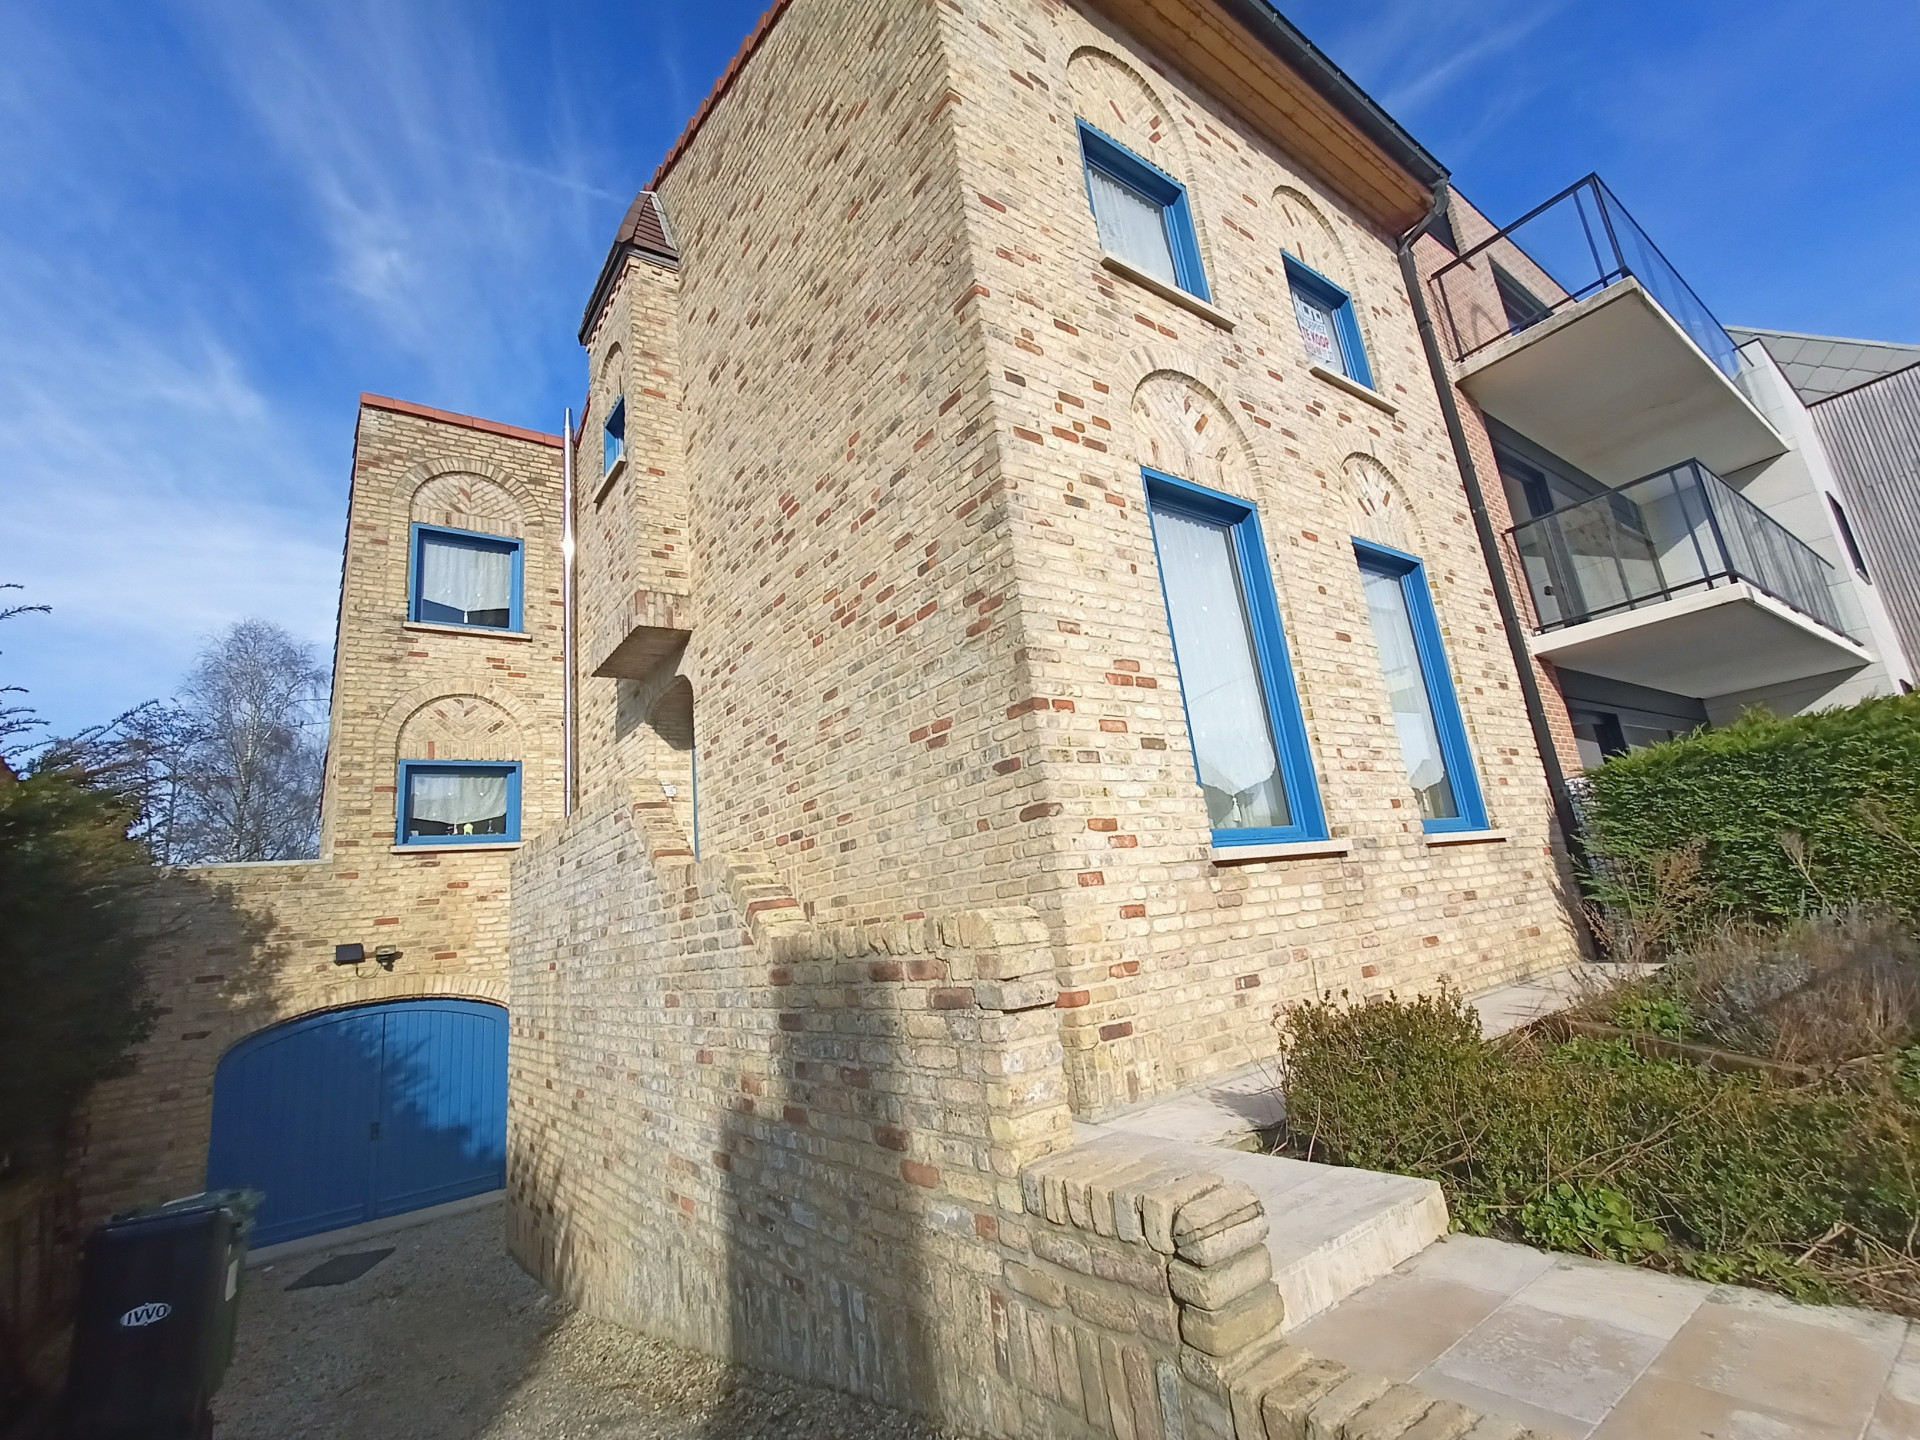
385 956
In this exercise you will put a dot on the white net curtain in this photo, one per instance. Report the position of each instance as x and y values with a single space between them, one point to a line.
1131 226
460 802
1220 675
466 582
1407 688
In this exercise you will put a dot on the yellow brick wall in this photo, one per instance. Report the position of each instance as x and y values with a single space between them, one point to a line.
239 947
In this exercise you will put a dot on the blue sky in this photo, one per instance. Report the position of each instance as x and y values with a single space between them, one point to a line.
220 220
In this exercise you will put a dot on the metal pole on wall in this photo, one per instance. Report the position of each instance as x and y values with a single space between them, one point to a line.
566 606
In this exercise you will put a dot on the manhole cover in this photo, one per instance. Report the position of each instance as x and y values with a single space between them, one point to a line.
340 1269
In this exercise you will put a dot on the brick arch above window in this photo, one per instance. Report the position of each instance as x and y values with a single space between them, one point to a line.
1181 426
1116 99
1377 505
468 502
1304 231
459 727
531 507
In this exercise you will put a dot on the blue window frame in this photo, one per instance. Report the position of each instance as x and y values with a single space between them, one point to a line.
458 802
1141 213
613 441
1426 711
1328 325
462 577
1236 682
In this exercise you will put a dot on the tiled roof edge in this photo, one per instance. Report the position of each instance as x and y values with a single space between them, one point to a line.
449 417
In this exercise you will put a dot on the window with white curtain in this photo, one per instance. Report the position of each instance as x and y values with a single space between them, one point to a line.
1141 214
1420 693
1243 716
458 802
462 578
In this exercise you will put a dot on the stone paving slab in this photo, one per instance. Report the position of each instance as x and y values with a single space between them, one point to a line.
1583 1348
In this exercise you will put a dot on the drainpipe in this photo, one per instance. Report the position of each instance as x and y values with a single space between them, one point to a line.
566 607
1562 797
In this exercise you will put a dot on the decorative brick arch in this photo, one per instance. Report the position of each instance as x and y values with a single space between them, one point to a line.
387 739
376 989
1377 506
1182 426
417 476
466 501
458 726
1304 229
1113 97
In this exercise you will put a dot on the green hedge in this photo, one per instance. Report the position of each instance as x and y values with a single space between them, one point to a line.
1847 782
1594 1148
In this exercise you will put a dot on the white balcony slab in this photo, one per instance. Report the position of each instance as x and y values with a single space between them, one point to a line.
1614 385
1703 644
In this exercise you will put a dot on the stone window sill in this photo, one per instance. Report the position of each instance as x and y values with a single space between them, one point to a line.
451 849
1468 837
479 631
1354 388
608 480
1290 850
1168 292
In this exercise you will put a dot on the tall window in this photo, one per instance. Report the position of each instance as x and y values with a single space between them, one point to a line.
449 802
1426 712
464 578
1328 326
613 442
1141 213
1249 740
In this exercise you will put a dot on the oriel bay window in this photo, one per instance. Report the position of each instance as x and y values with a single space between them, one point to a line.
464 578
1142 214
1426 711
1243 714
459 802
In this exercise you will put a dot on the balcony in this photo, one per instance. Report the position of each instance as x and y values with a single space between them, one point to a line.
1572 327
1678 582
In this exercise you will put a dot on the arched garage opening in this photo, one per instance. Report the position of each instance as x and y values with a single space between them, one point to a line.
356 1114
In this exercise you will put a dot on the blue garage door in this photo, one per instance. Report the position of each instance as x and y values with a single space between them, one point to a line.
357 1114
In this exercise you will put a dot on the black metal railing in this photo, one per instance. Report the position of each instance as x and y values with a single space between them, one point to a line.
1669 534
1575 245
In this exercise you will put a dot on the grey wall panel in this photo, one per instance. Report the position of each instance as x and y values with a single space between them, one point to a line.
1872 435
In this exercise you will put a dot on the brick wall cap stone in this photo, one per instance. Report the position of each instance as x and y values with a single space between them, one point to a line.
1286 1406
1389 1417
1217 1210
1219 1285
1160 1204
1221 1332
1223 1245
1329 1417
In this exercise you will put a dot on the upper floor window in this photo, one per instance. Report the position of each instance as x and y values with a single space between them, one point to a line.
613 441
464 578
1328 325
1426 712
1854 556
459 802
1243 714
1142 214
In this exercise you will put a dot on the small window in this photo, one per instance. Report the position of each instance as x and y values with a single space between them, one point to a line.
613 443
1328 326
1243 715
459 803
1426 712
464 578
1854 555
1141 213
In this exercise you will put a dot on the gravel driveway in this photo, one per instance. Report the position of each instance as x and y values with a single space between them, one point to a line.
448 1339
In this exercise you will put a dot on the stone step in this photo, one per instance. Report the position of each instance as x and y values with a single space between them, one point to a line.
1332 1230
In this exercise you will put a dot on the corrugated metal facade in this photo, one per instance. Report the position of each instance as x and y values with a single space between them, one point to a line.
1872 435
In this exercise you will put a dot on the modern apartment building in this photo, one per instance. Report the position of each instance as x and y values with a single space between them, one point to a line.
1679 540
1864 398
